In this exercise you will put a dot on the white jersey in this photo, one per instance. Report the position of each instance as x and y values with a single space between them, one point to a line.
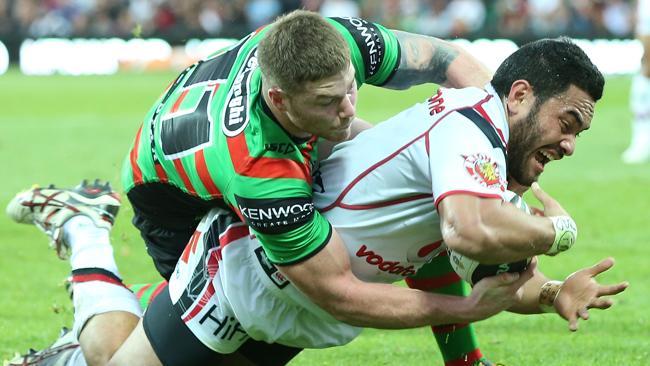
226 291
643 18
380 192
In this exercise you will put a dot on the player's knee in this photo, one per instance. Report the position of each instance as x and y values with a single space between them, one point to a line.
99 345
95 357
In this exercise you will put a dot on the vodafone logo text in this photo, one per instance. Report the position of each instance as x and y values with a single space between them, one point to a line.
392 267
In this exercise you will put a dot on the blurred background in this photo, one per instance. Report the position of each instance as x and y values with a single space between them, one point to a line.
179 21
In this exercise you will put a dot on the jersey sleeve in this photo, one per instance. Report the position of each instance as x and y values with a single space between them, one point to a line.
375 50
464 161
281 213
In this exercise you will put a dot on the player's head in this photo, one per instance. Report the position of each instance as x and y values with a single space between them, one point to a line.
550 88
308 75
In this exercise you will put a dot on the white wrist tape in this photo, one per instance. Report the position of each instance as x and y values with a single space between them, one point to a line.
548 294
566 233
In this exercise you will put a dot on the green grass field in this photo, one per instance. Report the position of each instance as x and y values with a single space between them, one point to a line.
61 129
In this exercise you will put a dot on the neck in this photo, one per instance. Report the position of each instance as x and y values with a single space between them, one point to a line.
282 117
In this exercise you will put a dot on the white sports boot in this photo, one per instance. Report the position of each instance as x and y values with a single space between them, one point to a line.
49 208
64 351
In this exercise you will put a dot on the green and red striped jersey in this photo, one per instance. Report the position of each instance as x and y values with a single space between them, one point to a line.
212 136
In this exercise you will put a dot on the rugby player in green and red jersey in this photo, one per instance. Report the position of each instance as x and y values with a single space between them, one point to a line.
239 129
231 134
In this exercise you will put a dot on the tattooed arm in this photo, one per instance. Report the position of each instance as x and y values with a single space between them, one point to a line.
431 60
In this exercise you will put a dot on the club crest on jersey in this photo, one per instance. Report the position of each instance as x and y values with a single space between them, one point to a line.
484 170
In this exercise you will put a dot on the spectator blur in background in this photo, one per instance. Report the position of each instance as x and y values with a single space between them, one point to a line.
178 20
639 149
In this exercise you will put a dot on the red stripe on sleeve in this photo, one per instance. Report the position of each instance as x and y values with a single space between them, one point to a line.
204 175
262 167
133 157
470 193
183 174
382 204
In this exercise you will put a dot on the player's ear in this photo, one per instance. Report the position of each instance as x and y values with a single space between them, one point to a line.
520 98
278 98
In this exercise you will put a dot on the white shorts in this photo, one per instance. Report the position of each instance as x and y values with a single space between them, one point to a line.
227 291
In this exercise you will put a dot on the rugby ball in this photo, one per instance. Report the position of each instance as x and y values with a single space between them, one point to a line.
473 271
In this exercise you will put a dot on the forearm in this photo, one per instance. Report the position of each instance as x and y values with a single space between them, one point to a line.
515 235
491 231
426 59
326 279
392 307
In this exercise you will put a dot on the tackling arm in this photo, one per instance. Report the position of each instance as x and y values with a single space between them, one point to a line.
425 59
326 278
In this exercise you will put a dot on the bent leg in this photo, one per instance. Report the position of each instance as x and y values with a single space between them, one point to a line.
136 350
99 296
166 337
103 335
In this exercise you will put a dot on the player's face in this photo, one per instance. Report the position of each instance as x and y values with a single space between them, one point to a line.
326 107
548 133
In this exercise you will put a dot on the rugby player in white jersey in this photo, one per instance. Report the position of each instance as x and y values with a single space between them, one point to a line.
639 149
436 172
